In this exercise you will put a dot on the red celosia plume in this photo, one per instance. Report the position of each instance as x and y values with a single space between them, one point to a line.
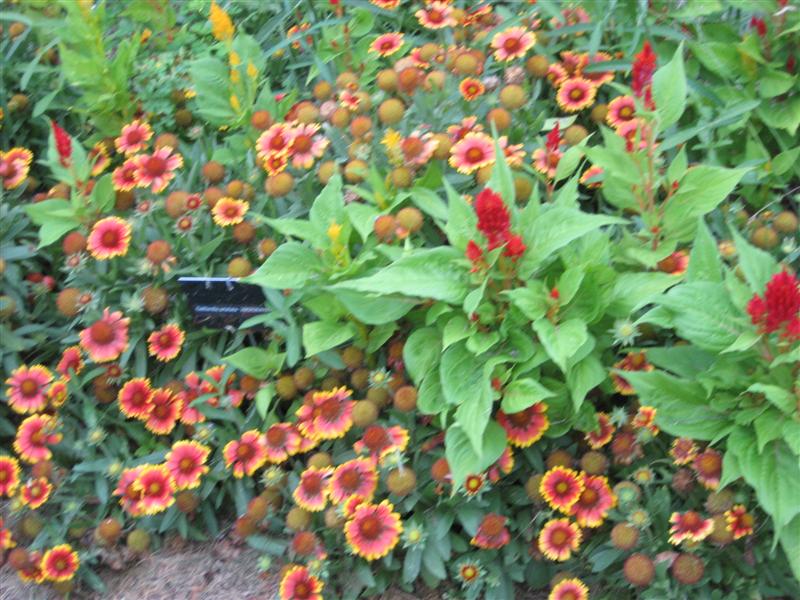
493 217
644 65
63 143
780 306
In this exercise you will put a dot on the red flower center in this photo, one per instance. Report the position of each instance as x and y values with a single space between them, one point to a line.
245 451
4 476
520 419
435 16
102 333
588 497
709 464
138 398
626 112
562 487
60 564
330 409
110 238
512 45
231 211
165 339
135 137
302 590
276 436
278 142
691 520
154 488
568 595
475 155
576 94
29 388
375 438
350 480
302 143
186 464
155 166
160 411
312 484
559 537
492 525
38 438
412 147
370 527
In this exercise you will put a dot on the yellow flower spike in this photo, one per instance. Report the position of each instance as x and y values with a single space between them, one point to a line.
334 231
146 34
252 72
233 59
221 25
235 76
235 103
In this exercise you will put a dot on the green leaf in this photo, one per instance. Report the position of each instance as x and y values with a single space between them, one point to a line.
669 90
633 291
421 352
555 228
456 329
682 406
462 456
782 399
745 341
522 393
292 265
52 231
374 309
49 211
501 180
324 335
432 274
702 313
461 219
561 341
531 300
790 540
362 217
704 263
328 207
701 190
429 202
412 564
256 362
103 195
757 266
583 377
773 474
768 428
263 400
465 385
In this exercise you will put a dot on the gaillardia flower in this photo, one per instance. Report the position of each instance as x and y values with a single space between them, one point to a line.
708 467
492 532
683 451
471 88
27 388
436 15
134 398
245 455
9 475
134 137
379 441
166 409
354 477
14 166
34 435
603 434
60 563
156 170
559 538
107 338
634 361
470 153
282 441
575 94
157 489
165 344
229 211
524 427
186 462
36 492
387 44
109 237
621 110
739 521
299 584
512 43
561 487
373 530
689 526
71 361
312 491
570 588
328 415
595 501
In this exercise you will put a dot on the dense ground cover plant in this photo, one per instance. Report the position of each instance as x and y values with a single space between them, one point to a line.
516 333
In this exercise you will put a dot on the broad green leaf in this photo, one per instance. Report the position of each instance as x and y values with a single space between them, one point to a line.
682 406
52 231
531 300
563 340
456 329
461 219
374 309
583 377
319 336
555 228
328 207
768 427
522 393
701 190
292 265
421 352
745 341
462 455
465 385
430 400
435 274
501 180
633 291
429 202
362 217
704 263
50 211
256 362
782 399
790 540
669 90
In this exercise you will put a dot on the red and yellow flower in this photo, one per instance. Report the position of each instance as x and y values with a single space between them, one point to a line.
9 475
157 489
307 145
229 211
354 477
34 435
134 398
107 338
603 434
71 361
328 415
282 441
124 176
683 451
689 526
525 427
559 538
387 44
594 502
645 418
32 572
186 462
569 589
35 492
373 530
708 467
134 137
512 43
60 563
245 455
436 15
166 409
561 487
299 584
621 110
165 344
739 522
575 93
27 388
379 441
14 166
58 392
156 170
634 361
471 152
471 88
492 532
109 237
313 489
